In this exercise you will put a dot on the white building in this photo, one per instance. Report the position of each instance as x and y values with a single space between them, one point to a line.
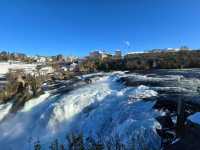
73 66
64 68
46 70
118 54
40 59
99 54
71 59
95 54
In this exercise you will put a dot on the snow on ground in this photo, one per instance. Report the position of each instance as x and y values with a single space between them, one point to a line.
136 52
5 66
102 107
4 110
2 76
143 92
34 102
195 118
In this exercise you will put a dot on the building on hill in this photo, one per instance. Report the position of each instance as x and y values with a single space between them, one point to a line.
71 59
163 50
100 54
135 52
157 50
60 58
184 48
73 67
46 70
118 54
105 56
41 59
49 59
95 54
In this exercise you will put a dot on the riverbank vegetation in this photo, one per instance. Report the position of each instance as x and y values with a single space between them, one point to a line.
146 61
80 142
21 87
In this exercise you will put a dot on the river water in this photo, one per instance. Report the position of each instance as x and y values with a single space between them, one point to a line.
105 107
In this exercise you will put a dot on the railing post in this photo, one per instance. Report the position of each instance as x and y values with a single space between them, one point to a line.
180 117
180 114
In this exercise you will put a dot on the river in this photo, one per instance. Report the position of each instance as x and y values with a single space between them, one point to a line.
105 107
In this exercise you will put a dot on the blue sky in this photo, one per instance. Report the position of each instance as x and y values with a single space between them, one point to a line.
76 27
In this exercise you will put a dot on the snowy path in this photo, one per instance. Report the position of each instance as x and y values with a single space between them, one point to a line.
105 107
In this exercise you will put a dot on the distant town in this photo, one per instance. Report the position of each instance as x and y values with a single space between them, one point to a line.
27 75
31 81
98 60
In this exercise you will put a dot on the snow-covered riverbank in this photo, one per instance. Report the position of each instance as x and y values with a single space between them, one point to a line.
104 107
6 66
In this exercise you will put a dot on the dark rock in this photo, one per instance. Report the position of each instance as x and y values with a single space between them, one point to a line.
188 141
166 105
166 122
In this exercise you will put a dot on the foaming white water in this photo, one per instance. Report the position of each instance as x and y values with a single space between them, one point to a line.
101 108
4 110
34 102
142 92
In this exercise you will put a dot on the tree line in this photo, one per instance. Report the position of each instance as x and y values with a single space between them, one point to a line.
145 61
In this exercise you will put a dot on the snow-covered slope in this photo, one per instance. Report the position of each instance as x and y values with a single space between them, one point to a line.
5 66
4 110
105 107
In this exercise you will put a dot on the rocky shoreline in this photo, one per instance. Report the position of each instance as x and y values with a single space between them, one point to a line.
171 89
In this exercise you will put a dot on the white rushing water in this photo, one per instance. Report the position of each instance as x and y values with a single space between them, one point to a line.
104 108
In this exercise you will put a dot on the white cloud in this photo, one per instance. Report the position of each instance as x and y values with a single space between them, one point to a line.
127 43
